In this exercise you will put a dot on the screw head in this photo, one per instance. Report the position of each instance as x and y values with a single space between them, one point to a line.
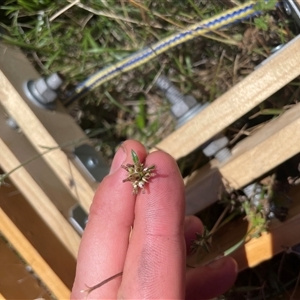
92 162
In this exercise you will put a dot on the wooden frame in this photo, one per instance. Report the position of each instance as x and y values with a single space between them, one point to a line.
40 128
247 94
281 236
33 258
251 159
38 226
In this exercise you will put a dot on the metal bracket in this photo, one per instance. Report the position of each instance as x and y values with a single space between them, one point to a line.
292 8
91 162
78 218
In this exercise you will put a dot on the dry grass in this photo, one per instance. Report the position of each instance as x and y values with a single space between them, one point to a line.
78 38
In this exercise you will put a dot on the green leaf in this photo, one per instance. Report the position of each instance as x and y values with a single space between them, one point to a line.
265 5
260 23
272 111
140 119
135 158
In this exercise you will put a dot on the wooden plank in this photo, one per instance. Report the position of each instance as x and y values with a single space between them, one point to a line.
40 236
38 169
43 128
256 155
17 282
281 235
257 250
203 188
39 200
240 99
273 144
32 257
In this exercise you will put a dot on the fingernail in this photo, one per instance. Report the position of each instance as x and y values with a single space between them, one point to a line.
217 264
119 158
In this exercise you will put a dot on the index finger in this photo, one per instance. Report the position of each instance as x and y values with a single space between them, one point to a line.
105 240
155 261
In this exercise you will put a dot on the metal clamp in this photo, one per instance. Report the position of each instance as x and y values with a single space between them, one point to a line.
91 162
78 218
292 8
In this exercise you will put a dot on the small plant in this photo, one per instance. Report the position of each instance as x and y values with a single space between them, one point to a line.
201 241
138 174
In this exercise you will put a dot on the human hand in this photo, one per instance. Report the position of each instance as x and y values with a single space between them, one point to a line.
153 255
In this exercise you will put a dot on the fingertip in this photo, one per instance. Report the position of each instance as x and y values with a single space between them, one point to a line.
163 203
104 243
124 152
112 187
158 227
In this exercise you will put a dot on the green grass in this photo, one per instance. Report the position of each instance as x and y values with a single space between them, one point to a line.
78 40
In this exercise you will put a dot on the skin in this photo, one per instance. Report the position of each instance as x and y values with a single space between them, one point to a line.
152 255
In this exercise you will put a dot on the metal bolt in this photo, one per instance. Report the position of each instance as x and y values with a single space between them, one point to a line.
183 107
223 154
43 91
218 149
171 92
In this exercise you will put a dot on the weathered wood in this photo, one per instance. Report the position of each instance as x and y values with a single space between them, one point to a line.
256 155
203 188
39 201
281 235
17 282
38 169
38 233
42 128
240 99
32 257
275 143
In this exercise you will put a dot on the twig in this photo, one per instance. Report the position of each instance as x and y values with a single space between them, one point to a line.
63 10
96 286
111 15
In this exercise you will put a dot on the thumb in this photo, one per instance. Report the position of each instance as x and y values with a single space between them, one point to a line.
207 282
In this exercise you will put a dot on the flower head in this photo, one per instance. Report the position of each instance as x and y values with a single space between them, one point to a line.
138 174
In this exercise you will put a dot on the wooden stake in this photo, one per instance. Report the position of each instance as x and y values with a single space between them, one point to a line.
42 128
32 257
40 202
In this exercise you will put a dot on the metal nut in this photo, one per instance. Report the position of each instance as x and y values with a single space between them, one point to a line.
45 92
215 146
182 107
